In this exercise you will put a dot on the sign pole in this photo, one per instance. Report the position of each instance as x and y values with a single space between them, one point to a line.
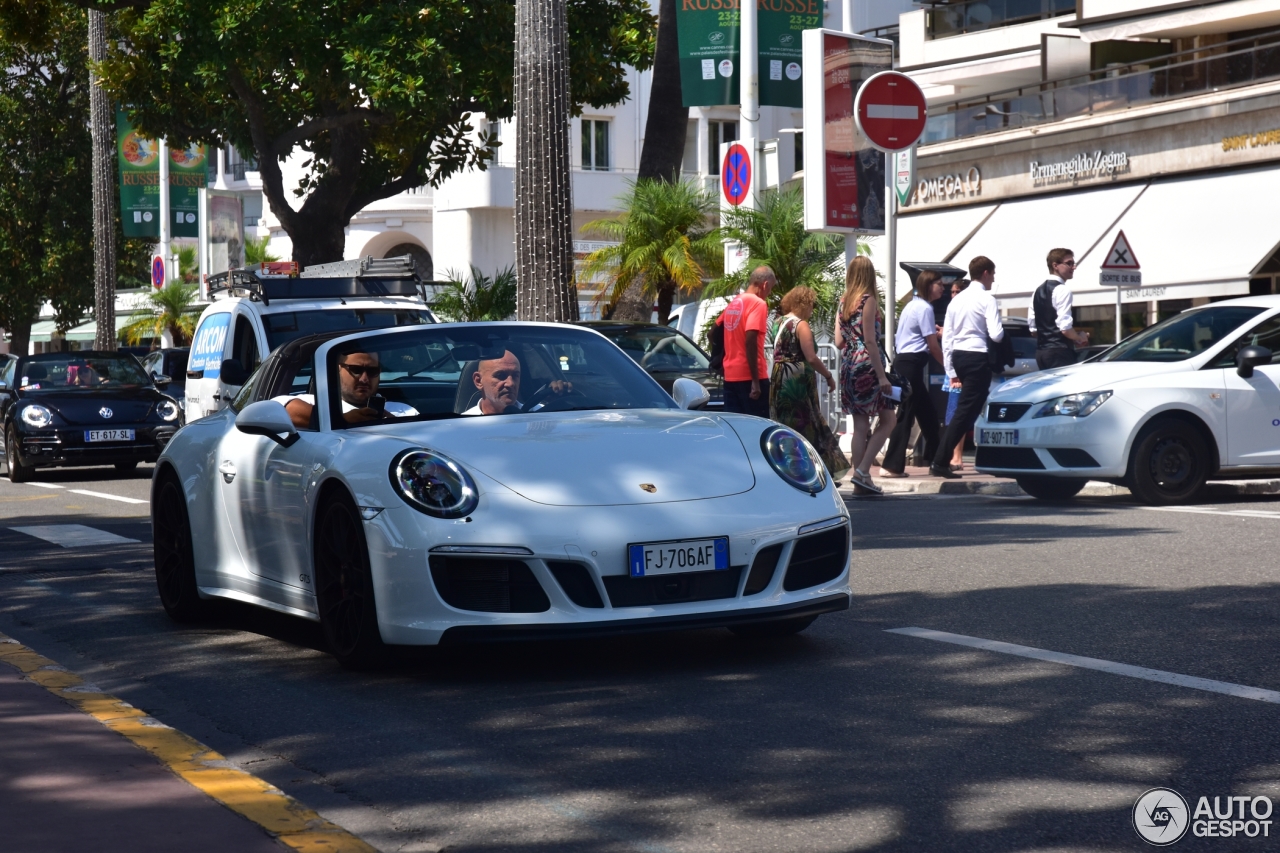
891 236
166 227
1118 308
749 90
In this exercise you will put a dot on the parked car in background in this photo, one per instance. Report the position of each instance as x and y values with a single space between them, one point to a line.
171 362
666 354
692 317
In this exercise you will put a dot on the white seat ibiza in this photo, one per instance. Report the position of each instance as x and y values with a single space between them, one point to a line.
1193 398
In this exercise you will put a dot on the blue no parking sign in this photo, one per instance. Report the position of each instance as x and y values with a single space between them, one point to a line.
735 174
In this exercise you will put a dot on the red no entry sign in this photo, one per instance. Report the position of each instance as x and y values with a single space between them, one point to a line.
890 111
735 174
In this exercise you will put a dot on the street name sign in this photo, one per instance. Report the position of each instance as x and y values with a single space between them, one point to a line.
890 111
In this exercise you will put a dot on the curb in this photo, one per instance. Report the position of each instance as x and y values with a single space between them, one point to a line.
280 815
1009 489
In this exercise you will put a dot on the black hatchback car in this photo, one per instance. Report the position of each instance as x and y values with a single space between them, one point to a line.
82 408
666 354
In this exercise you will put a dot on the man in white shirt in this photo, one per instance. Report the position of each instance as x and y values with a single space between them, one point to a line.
915 341
358 377
1051 320
972 326
498 381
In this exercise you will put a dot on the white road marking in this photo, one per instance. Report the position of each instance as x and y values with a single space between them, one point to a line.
1204 510
46 485
120 498
1177 679
73 535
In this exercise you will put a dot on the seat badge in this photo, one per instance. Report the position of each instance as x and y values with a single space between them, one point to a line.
649 487
1004 412
105 412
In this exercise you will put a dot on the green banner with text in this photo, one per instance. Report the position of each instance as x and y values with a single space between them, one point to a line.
779 25
139 161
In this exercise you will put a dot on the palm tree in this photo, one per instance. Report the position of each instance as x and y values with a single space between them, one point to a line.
255 252
103 135
169 309
544 192
667 241
483 298
188 263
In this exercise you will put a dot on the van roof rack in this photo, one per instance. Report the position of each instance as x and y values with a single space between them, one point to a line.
362 277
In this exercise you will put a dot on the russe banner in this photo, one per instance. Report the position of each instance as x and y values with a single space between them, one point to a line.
188 172
708 36
780 23
139 160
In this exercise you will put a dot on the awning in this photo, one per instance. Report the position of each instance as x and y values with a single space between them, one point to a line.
43 330
1194 237
928 237
1020 234
83 332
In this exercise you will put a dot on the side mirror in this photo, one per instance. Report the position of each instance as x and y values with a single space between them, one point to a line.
1250 357
269 418
161 381
689 394
233 372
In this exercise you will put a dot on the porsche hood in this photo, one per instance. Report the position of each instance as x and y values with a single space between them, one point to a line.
596 458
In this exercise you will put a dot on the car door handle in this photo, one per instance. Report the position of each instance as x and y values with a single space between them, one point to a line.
228 470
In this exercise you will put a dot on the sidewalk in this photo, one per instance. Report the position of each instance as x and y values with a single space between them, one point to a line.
80 770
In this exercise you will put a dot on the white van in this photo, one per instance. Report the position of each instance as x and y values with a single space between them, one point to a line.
253 313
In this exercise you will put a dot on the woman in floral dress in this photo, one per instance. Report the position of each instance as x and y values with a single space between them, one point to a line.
864 376
793 385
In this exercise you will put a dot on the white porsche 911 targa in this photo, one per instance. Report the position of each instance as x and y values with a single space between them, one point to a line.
473 482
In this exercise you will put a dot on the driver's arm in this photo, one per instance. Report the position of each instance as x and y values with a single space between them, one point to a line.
299 412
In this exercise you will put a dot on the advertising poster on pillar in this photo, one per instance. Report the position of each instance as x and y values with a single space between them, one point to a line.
779 25
139 161
707 31
226 232
854 170
188 172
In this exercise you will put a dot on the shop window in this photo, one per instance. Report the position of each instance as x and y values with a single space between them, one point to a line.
718 132
595 144
689 163
1167 308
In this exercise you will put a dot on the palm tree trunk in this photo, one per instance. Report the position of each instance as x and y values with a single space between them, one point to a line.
666 298
544 190
104 186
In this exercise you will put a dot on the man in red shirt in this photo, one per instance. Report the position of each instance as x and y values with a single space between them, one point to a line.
746 323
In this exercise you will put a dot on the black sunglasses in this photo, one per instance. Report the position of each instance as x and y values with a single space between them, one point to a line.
358 370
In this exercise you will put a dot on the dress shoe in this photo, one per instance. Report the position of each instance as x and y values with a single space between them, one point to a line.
944 473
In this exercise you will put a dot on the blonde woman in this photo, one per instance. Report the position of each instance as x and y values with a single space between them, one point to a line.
864 379
793 385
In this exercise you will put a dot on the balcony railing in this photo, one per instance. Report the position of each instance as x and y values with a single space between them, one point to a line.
889 33
1239 63
953 19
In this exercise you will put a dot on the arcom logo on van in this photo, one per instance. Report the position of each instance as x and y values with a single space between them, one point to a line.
206 348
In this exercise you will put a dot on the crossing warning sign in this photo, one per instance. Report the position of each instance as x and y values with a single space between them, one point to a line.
1121 256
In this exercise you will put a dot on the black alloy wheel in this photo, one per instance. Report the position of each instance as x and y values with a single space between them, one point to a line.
18 473
344 585
1169 464
1051 488
171 547
774 629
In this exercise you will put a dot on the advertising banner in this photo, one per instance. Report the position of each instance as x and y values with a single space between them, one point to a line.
207 346
188 172
780 24
226 232
707 31
139 160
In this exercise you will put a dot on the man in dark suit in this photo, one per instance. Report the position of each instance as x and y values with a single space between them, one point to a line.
1051 320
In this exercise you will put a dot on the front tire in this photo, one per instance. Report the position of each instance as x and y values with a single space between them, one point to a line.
171 546
772 630
344 586
1051 488
1169 463
18 473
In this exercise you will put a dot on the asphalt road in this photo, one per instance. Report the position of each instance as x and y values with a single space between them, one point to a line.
847 737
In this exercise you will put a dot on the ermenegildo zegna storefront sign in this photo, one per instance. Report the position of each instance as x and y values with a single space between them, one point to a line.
1014 164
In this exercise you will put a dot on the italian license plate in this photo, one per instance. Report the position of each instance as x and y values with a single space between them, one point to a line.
686 555
998 437
108 435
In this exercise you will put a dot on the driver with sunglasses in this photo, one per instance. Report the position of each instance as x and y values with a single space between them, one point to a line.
358 374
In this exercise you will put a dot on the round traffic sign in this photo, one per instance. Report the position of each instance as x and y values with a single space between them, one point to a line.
157 271
735 174
890 110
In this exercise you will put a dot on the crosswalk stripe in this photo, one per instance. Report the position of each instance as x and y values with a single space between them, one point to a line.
73 535
120 498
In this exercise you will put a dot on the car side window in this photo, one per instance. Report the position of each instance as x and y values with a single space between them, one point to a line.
1265 334
249 389
7 375
245 346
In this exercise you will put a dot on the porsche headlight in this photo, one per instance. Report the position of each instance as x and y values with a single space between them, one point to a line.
1074 405
793 459
167 410
434 484
37 416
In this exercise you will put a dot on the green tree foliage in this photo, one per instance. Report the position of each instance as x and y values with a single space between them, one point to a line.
667 242
170 309
482 298
46 231
378 94
255 252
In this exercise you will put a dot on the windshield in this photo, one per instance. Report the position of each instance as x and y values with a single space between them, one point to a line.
69 371
657 349
285 326
485 369
1182 336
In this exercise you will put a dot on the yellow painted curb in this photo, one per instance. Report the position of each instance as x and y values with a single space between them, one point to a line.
270 808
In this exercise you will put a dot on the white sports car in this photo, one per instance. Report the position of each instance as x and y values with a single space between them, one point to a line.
361 480
1192 398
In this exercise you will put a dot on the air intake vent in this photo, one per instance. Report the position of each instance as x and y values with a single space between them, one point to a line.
575 580
488 586
670 589
817 559
762 569
1073 457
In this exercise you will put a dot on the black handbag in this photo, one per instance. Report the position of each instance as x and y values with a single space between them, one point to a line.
898 382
